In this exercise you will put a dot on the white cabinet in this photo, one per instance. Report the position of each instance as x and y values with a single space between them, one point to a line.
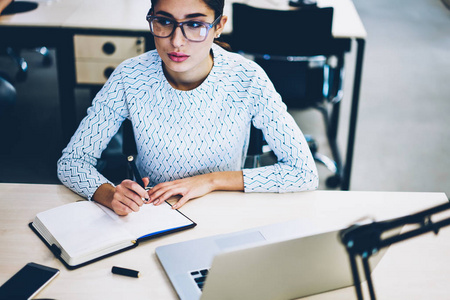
97 56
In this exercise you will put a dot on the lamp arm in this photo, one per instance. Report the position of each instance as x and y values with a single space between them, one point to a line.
364 240
359 239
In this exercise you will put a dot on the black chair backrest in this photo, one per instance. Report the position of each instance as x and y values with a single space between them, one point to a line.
7 95
305 31
299 85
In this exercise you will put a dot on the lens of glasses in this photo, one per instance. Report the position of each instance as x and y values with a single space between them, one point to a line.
192 30
195 31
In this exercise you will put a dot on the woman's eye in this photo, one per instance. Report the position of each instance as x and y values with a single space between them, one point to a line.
194 24
164 22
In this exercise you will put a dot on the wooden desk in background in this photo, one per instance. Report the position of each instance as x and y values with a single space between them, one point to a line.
414 269
64 24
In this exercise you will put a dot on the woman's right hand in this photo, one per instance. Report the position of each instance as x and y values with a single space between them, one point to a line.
123 199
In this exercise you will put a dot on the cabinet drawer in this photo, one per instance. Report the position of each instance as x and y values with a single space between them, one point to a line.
94 72
108 47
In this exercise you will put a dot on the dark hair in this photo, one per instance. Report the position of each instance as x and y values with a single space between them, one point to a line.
216 6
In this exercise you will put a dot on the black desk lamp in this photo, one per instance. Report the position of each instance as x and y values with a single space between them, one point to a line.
365 240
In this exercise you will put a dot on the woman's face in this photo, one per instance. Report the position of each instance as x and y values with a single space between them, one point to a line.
181 57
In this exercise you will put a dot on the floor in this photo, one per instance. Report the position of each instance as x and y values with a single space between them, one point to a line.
403 129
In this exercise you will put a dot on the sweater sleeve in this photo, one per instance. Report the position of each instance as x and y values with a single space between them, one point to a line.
295 169
77 166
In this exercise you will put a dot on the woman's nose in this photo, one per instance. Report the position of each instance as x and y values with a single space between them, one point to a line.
178 38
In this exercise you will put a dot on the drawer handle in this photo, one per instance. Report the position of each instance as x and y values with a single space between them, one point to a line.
109 48
108 71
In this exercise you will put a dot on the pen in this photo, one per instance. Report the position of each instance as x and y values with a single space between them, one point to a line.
136 173
125 272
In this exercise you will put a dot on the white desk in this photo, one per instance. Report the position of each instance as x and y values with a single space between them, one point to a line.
415 269
55 23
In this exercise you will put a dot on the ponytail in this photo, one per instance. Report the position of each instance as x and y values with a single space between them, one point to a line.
223 44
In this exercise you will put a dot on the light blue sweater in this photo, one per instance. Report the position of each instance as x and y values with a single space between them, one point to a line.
185 133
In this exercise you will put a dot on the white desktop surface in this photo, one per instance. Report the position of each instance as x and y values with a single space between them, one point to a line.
414 269
111 14
49 13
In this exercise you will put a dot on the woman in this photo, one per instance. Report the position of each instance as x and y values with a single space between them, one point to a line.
191 104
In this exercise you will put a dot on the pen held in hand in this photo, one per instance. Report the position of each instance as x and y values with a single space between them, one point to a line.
137 175
135 170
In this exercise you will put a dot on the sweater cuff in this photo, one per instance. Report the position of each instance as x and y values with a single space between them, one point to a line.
261 180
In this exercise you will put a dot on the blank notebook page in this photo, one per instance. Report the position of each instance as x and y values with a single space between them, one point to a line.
150 219
85 227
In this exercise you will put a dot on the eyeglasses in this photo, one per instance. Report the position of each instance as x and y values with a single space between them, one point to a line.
194 31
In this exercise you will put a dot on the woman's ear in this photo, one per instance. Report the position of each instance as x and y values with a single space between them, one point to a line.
220 26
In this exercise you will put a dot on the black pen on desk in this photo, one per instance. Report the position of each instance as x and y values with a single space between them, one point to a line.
137 175
125 272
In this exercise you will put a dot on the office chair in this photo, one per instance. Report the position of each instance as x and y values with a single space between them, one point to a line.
302 59
7 103
113 163
7 95
21 63
16 7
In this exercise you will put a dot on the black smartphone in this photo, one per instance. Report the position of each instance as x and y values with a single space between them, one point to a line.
27 282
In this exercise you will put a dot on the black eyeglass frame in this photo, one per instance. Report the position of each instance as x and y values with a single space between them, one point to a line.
208 26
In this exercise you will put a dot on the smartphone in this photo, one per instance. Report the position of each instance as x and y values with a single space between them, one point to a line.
27 282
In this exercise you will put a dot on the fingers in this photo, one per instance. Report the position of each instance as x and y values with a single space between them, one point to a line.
188 188
120 208
139 190
181 202
165 196
128 197
164 191
146 181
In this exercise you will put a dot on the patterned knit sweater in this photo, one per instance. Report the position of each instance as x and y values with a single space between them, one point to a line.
185 133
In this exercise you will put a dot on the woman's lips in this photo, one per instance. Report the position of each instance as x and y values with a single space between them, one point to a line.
177 56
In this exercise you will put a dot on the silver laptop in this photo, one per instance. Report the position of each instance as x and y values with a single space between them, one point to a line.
279 261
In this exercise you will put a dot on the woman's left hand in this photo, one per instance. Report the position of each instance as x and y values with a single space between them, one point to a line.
195 186
188 188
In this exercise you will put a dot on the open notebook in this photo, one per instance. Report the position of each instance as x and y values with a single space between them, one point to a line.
83 232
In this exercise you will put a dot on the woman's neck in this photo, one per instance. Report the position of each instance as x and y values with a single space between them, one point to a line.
191 79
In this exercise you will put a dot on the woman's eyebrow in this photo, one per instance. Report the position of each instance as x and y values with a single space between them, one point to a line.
161 12
189 16
195 15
